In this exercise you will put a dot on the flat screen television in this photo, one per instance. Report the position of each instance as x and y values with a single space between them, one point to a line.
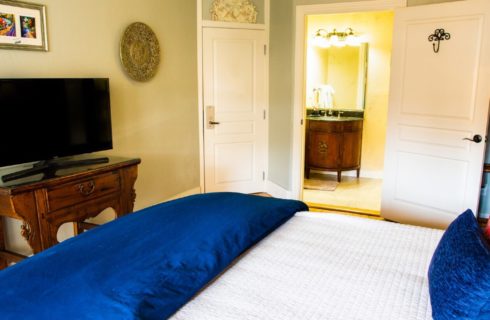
44 119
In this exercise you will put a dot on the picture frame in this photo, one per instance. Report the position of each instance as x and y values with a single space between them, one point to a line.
23 26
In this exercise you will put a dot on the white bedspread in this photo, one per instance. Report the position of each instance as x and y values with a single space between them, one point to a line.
325 266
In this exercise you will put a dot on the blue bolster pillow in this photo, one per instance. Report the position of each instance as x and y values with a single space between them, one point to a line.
145 265
459 272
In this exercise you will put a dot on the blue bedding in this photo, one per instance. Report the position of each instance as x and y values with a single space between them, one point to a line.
142 266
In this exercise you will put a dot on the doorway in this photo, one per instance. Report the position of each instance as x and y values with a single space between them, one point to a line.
374 25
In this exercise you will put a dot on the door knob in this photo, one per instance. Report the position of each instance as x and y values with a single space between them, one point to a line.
476 138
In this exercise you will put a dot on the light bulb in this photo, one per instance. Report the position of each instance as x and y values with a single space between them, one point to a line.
321 42
340 43
362 38
352 40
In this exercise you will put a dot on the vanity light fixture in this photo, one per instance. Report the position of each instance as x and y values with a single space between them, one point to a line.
325 39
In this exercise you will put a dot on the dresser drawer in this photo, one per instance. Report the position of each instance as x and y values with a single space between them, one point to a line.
79 191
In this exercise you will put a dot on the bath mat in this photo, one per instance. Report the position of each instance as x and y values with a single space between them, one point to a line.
320 182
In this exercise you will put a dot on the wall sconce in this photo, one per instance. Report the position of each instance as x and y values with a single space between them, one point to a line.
325 39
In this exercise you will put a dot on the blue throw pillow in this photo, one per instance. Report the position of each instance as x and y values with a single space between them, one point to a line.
459 273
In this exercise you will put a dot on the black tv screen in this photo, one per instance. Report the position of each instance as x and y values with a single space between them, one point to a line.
42 119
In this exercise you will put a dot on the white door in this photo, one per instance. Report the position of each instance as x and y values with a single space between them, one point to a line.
437 99
234 95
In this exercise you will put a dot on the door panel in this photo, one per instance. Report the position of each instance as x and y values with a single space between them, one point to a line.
439 83
416 171
232 156
234 98
436 100
234 67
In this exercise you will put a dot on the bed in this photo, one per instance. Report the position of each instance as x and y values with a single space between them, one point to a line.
235 256
326 266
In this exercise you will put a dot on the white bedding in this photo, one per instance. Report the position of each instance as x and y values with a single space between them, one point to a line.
325 266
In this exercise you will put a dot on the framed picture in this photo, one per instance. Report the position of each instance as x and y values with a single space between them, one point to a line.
23 26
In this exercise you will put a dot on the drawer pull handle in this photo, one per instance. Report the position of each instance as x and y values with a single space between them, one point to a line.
87 188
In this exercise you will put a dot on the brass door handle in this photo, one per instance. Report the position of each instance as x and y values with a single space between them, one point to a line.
213 122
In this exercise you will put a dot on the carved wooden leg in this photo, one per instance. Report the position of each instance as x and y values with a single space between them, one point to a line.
25 206
358 172
307 172
77 229
3 261
128 194
339 176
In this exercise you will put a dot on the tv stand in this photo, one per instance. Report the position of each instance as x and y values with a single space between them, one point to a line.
72 196
49 167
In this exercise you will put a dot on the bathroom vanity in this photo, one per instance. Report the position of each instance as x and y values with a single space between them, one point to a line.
333 143
335 101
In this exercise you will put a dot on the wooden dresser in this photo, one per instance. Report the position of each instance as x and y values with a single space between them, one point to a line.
333 145
43 203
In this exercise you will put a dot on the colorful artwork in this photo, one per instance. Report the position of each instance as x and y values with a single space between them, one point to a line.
7 25
28 29
23 26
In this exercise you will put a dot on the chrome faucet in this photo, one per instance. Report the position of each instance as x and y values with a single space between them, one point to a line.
340 113
329 112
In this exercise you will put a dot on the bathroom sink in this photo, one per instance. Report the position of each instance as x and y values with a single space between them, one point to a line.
315 116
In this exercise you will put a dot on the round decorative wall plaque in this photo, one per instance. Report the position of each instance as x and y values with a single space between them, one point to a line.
140 51
234 11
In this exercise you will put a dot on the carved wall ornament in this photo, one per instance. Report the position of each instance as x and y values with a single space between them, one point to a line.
133 198
140 51
234 11
26 231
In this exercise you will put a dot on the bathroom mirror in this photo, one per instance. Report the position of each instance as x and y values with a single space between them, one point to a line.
336 77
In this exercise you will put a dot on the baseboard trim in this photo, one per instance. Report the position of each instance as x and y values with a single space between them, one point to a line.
190 192
352 173
277 191
331 207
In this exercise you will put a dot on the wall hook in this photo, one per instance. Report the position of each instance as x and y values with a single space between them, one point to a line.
438 36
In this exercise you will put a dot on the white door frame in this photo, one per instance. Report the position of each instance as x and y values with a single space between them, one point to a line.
299 74
200 103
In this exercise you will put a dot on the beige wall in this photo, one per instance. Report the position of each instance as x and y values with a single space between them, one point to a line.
281 82
156 121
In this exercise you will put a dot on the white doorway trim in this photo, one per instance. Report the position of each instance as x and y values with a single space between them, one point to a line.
299 74
199 94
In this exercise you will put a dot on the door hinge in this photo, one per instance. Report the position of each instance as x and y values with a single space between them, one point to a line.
265 49
265 114
263 175
301 121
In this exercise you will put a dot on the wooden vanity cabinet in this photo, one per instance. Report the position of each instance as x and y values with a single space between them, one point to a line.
333 146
